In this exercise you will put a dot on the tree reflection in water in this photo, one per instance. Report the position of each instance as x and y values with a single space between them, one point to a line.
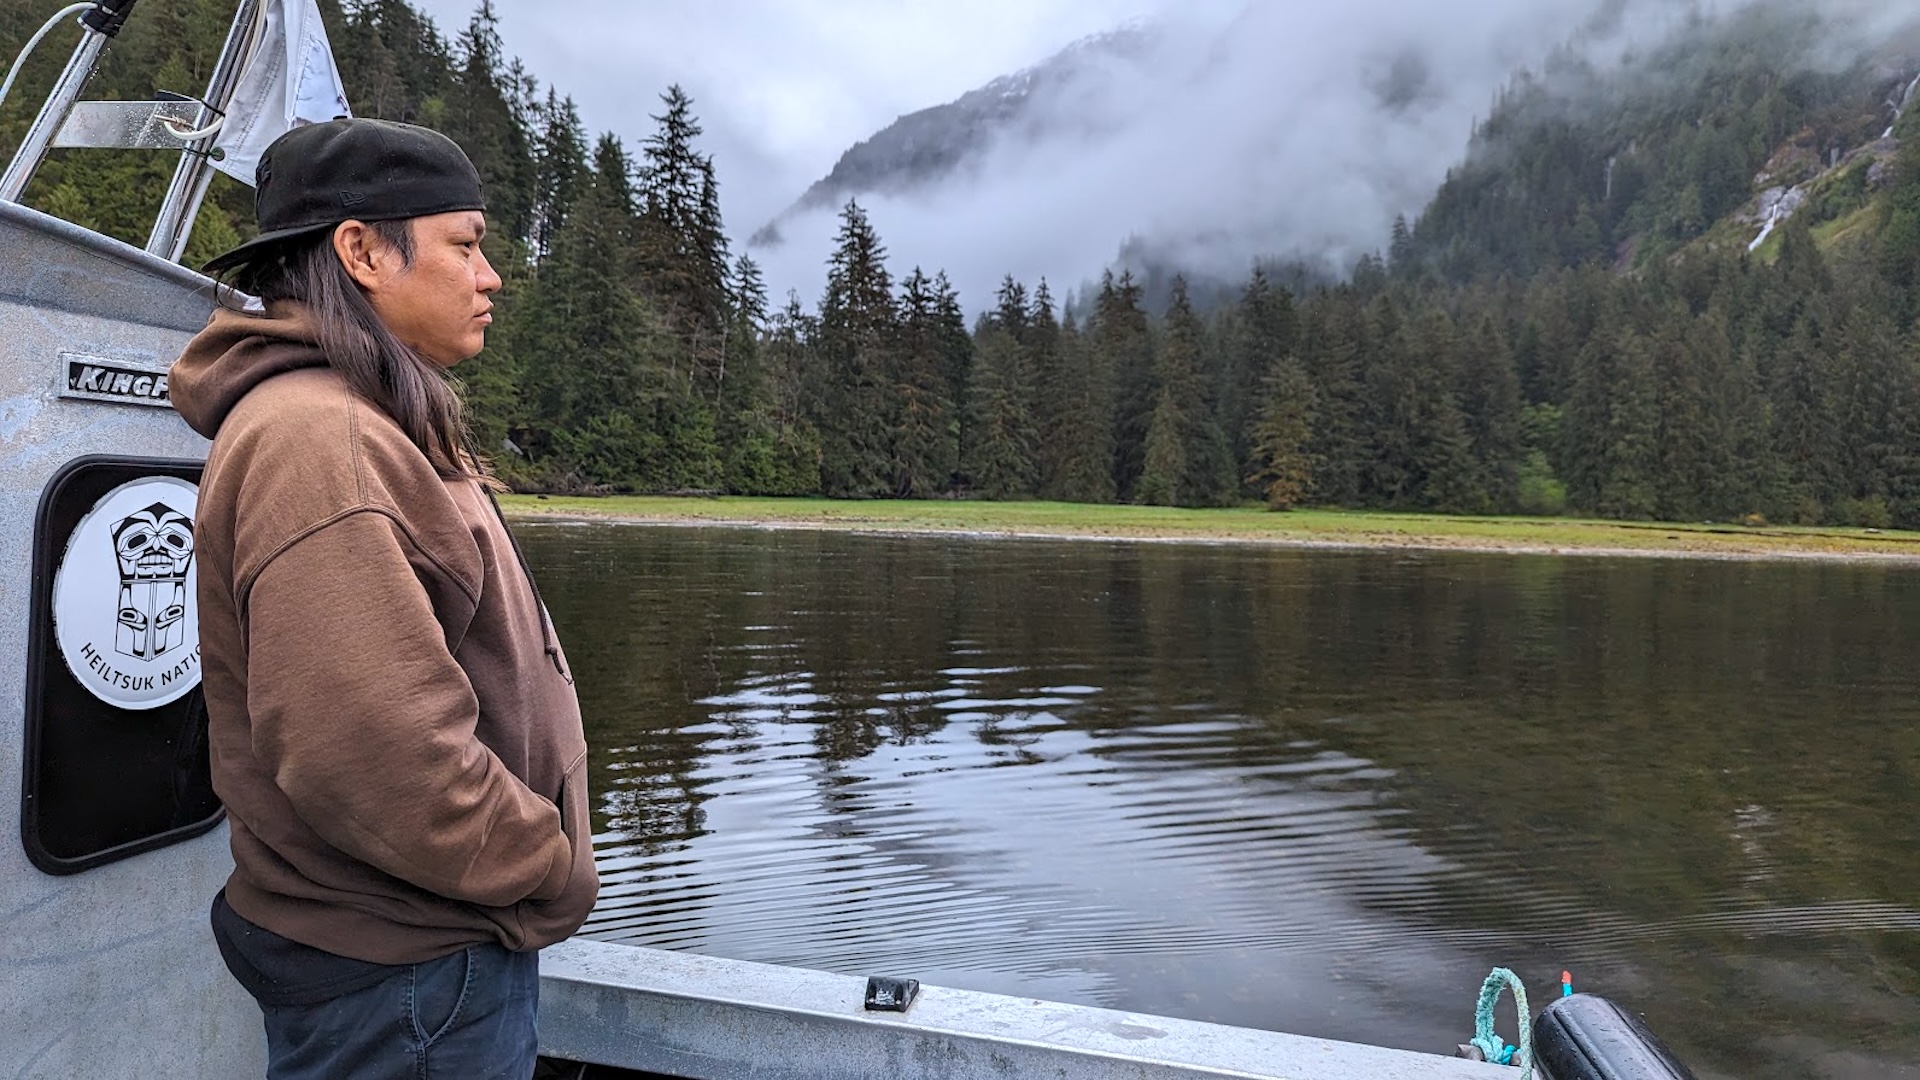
1315 791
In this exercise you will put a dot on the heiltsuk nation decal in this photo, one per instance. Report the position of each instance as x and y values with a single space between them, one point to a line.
124 613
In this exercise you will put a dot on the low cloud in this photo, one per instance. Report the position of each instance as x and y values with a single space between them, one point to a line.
1248 130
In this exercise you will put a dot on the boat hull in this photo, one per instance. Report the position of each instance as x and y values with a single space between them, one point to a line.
109 972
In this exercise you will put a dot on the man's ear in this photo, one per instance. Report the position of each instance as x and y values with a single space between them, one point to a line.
365 255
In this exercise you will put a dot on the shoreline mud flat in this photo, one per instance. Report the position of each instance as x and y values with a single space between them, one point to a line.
1355 532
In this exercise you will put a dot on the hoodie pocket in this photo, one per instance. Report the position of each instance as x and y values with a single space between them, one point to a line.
570 783
571 801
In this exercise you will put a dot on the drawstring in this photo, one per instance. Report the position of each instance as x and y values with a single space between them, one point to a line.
546 621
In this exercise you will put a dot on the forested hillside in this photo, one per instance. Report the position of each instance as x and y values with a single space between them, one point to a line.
1576 323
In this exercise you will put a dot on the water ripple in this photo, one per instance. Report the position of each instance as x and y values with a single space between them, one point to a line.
1323 793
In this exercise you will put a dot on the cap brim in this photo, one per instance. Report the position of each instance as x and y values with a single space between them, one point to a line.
260 243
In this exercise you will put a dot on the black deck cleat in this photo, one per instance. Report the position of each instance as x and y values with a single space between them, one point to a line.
890 995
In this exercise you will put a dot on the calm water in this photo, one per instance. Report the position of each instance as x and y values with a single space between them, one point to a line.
1316 792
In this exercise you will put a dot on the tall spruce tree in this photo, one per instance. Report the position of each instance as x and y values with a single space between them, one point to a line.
859 326
1280 461
590 344
487 112
1334 336
925 429
1080 444
1412 417
1264 334
998 460
1048 378
680 244
1489 395
560 171
794 386
1687 432
1611 425
953 343
1124 362
1186 460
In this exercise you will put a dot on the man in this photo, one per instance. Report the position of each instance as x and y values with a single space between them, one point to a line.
392 721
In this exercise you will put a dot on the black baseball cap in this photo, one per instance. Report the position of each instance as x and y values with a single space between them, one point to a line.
317 176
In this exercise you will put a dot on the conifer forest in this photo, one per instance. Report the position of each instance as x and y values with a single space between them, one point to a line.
1575 324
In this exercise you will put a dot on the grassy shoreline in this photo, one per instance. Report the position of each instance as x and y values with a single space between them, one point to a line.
1300 528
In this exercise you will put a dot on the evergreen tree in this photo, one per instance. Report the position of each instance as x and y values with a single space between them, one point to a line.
1281 464
1011 312
590 343
485 112
1421 453
680 243
560 171
1489 394
1186 460
394 63
1897 250
768 446
952 342
925 430
998 460
1265 334
1687 430
1612 426
792 383
1335 335
1124 363
1080 444
1806 435
859 325
1050 387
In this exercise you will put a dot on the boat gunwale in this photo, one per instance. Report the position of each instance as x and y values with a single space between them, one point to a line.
37 284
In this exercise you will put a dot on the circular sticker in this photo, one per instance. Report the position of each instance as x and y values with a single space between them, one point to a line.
124 612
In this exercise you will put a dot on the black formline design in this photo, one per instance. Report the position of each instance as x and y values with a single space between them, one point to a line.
42 648
154 548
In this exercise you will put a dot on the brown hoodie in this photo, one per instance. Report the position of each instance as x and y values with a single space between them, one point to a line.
393 725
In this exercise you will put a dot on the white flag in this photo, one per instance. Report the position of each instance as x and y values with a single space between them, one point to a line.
289 81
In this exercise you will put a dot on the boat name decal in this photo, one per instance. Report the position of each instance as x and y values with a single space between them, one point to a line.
94 379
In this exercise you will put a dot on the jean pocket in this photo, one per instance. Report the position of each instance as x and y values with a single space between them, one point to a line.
436 994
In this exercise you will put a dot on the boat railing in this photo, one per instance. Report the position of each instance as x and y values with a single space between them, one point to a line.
681 1014
171 122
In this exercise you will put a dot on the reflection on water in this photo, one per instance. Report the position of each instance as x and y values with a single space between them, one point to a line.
1317 792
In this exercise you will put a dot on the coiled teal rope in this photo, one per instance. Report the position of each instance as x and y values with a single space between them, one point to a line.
1492 1045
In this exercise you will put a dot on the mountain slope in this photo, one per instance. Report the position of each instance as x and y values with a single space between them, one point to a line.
1733 124
924 147
1592 157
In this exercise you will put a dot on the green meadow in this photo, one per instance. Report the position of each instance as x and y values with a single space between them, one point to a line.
1317 527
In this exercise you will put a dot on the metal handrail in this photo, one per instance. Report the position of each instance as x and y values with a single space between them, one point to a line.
101 24
173 226
191 177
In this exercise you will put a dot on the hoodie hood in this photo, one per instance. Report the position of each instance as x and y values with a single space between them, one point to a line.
235 353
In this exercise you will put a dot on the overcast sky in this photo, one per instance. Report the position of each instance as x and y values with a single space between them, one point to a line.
1252 128
782 87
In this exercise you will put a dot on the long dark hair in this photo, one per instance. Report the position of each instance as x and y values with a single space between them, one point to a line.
418 394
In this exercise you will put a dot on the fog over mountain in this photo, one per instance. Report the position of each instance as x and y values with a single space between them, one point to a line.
1220 132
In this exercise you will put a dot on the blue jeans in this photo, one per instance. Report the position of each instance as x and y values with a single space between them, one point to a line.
468 1016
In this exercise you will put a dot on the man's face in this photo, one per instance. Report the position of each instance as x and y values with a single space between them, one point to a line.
440 304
